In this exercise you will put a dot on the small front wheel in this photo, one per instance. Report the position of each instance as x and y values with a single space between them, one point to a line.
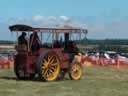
76 71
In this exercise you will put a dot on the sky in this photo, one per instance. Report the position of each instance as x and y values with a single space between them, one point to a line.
104 19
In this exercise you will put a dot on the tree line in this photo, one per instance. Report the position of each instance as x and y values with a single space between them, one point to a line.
6 42
105 41
119 45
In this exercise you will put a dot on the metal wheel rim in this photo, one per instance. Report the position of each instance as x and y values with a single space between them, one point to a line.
76 71
50 67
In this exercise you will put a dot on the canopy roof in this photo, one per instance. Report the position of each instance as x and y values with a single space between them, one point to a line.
19 27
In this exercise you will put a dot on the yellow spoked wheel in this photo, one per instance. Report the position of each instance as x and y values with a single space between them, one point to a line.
76 72
50 66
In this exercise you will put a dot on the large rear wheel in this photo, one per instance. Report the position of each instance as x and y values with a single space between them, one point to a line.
49 66
20 73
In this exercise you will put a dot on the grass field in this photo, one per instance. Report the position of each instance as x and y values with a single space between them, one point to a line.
95 82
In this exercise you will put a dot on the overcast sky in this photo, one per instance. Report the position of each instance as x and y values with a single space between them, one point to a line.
103 18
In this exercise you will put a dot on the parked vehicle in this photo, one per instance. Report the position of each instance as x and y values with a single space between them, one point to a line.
50 59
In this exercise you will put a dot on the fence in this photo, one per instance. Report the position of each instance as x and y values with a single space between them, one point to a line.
115 62
6 62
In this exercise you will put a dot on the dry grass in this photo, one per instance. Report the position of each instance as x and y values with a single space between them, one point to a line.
96 81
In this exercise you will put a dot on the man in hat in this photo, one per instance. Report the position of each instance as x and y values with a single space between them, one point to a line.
34 42
22 39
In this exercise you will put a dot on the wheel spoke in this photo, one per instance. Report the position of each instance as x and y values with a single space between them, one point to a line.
48 58
48 73
43 67
53 68
45 71
45 61
51 71
54 64
52 60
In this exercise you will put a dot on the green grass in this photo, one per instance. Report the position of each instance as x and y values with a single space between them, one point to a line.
95 82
